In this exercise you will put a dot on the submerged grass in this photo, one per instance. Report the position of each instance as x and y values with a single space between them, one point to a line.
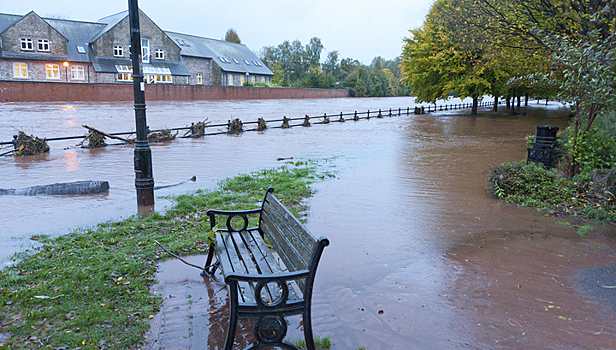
90 289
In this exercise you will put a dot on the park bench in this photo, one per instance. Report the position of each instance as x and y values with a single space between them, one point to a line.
269 270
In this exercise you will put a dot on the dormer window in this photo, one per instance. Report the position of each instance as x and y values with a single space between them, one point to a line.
43 45
26 44
118 51
160 54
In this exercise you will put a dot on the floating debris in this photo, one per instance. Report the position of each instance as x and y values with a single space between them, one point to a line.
261 125
306 121
161 135
341 120
355 116
285 122
93 140
29 145
325 119
235 127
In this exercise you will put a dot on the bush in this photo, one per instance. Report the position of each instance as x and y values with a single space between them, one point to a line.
594 150
532 185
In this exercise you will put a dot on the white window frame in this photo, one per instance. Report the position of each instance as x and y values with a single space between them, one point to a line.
78 73
52 71
20 70
229 79
125 77
145 51
43 45
253 79
242 80
199 79
27 44
118 51
159 54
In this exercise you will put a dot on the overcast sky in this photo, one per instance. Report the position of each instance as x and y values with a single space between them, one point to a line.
360 29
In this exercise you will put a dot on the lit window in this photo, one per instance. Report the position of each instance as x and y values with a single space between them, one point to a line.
77 73
230 79
263 79
26 44
160 54
158 78
242 80
125 77
118 51
199 78
43 45
252 79
145 50
20 70
52 71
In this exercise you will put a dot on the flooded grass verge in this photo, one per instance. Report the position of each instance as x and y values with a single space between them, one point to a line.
91 289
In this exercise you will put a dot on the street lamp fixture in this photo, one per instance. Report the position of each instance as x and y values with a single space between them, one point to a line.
65 64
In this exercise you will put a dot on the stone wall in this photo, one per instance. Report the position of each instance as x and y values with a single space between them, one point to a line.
25 91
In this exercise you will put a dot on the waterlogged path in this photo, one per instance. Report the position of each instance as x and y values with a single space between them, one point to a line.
421 257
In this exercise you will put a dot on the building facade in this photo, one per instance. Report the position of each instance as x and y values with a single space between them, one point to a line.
53 50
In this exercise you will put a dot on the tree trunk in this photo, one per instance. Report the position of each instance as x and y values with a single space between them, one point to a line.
508 99
526 99
519 101
495 103
475 102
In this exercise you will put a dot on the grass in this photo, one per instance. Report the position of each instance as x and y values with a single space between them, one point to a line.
319 343
532 185
91 289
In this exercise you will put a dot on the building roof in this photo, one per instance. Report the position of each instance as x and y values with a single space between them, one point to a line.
7 20
231 57
79 36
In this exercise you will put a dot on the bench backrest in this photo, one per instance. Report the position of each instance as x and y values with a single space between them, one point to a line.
293 243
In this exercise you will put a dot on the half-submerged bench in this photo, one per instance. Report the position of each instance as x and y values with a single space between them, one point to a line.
266 281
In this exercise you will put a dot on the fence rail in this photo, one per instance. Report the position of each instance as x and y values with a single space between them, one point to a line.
306 120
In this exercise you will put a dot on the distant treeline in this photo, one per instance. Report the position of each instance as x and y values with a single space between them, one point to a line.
296 65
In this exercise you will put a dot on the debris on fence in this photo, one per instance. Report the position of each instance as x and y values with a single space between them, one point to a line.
261 125
161 135
25 145
325 119
355 116
285 122
306 121
197 130
107 135
235 127
93 140
341 120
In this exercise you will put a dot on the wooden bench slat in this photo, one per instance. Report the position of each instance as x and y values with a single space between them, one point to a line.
290 256
267 261
291 229
227 251
293 224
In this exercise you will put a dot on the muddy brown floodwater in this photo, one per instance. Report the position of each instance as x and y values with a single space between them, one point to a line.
420 256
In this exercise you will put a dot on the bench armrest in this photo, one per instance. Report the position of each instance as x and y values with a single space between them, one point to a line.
244 277
230 214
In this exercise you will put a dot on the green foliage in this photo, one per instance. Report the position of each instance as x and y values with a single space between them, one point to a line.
319 343
594 150
534 186
90 289
231 36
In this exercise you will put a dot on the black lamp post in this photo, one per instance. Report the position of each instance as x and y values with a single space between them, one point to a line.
144 181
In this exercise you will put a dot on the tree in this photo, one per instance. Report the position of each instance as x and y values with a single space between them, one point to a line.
232 36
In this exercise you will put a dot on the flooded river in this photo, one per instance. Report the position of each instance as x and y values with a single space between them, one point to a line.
420 256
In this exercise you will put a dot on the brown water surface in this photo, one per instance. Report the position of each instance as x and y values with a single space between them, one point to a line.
420 256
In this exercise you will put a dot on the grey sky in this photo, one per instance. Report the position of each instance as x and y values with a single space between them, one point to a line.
360 29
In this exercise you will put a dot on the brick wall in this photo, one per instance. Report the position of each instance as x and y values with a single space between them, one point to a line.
24 91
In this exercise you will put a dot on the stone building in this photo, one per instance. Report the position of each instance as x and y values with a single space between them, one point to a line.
42 49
